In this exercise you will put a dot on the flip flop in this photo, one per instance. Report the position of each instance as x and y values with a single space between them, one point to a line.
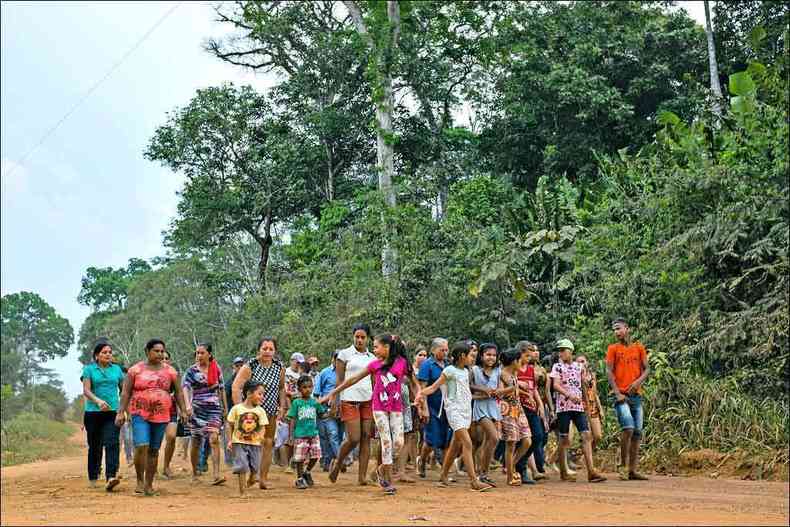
484 489
219 481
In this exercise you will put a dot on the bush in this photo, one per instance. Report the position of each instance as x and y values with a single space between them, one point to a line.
30 437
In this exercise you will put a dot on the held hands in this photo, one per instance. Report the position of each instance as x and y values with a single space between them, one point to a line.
120 419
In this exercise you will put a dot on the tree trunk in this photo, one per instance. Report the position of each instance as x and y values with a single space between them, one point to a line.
265 243
383 53
330 176
715 87
386 169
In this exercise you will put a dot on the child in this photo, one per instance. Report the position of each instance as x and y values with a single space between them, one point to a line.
592 403
246 422
303 422
457 404
566 378
281 443
485 410
515 427
389 371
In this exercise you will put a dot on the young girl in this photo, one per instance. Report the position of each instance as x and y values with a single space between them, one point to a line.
592 403
485 410
457 404
515 427
389 371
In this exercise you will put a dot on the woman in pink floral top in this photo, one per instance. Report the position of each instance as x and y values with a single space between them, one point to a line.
566 378
146 395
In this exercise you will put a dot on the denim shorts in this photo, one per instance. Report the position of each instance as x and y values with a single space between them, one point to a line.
579 421
246 458
147 433
629 414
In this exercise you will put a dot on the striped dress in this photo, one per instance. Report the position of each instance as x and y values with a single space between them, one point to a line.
206 404
269 376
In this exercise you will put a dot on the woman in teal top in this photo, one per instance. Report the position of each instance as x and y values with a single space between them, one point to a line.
101 383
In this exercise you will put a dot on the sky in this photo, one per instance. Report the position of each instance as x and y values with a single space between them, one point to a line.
85 196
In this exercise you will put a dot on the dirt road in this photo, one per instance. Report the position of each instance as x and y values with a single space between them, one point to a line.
56 492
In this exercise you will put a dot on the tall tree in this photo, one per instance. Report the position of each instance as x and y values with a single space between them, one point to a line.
713 66
379 28
242 167
35 332
106 288
309 46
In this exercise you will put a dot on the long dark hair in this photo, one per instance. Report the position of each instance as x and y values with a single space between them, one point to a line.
397 349
458 350
213 368
485 346
100 344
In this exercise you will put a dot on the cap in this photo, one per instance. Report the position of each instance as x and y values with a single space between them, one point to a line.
565 343
298 357
312 360
238 360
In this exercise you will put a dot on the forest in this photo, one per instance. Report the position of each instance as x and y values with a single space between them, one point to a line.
492 169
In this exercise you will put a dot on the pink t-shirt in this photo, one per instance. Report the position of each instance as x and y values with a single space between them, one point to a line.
386 386
151 392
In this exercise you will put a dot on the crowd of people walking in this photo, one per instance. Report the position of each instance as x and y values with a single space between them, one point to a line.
469 408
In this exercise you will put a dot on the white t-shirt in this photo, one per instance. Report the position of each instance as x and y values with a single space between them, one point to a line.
355 363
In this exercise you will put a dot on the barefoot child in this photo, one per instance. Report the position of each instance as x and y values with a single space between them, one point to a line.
458 406
303 422
246 422
566 376
515 426
485 410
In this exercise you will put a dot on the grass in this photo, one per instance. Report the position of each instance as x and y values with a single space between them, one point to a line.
31 437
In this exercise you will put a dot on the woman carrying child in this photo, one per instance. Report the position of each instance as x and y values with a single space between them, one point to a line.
457 403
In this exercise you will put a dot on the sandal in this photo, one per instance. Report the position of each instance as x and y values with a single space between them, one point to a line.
488 481
219 481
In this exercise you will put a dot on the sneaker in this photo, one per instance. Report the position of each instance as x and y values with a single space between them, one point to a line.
308 478
300 483
525 479
540 475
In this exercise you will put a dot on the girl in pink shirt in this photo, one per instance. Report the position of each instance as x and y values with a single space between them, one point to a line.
390 370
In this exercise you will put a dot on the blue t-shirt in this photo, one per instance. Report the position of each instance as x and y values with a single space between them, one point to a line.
430 370
105 384
325 382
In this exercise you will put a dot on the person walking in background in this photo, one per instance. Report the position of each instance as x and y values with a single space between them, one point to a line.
437 430
485 409
238 362
101 383
592 403
146 394
328 426
265 369
566 376
171 432
204 388
627 369
533 410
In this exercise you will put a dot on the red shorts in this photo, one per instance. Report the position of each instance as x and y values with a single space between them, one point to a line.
353 411
306 448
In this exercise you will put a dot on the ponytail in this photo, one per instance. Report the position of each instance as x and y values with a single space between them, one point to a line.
397 349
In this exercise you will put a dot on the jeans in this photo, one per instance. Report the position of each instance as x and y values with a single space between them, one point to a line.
329 434
205 450
103 437
128 442
536 447
629 414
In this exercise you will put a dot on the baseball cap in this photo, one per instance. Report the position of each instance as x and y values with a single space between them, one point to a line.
298 357
238 360
565 343
312 359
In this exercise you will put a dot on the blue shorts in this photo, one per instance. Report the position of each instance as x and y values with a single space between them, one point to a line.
629 414
579 421
147 433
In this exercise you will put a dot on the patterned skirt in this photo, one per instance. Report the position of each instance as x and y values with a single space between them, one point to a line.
206 418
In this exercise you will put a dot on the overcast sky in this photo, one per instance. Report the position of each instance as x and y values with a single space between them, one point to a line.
86 197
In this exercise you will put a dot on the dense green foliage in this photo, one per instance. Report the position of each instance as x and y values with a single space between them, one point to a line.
592 181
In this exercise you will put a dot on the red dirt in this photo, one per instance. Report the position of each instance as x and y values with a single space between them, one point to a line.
56 492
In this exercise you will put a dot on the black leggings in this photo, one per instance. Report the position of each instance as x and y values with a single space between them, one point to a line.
102 435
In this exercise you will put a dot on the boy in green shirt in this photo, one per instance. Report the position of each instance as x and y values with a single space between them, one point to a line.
303 422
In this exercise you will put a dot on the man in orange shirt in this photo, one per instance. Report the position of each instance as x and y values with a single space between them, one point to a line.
627 368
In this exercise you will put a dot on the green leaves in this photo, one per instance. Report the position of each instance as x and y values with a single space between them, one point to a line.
741 84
